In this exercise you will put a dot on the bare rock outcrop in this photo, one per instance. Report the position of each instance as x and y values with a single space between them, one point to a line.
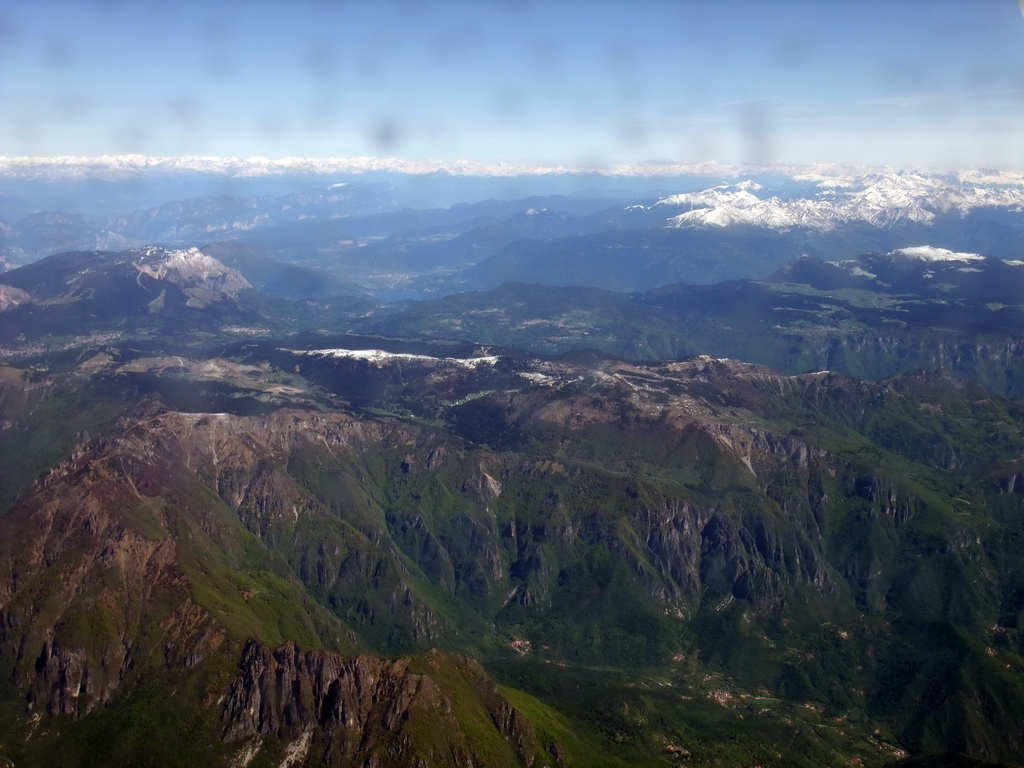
433 711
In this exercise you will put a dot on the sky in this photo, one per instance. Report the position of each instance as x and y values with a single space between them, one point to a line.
906 83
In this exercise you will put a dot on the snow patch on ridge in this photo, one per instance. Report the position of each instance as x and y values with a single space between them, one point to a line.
930 253
858 271
380 357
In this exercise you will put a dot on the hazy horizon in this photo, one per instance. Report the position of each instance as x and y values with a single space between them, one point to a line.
913 84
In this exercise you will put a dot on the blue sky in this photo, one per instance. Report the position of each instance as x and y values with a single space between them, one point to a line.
912 83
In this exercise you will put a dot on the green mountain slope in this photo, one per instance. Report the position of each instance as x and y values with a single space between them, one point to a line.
127 592
654 558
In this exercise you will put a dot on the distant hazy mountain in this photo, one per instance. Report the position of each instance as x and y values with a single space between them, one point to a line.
413 234
154 291
745 230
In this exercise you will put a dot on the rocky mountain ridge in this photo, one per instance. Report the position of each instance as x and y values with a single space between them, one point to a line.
562 512
270 547
191 268
112 579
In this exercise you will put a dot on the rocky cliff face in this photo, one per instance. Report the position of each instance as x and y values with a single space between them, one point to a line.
190 268
371 711
120 566
90 591
11 297
481 548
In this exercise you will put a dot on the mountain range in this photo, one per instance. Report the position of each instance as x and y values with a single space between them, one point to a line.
381 232
747 542
260 507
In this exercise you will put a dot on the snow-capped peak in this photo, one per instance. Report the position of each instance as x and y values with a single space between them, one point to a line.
737 195
884 200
